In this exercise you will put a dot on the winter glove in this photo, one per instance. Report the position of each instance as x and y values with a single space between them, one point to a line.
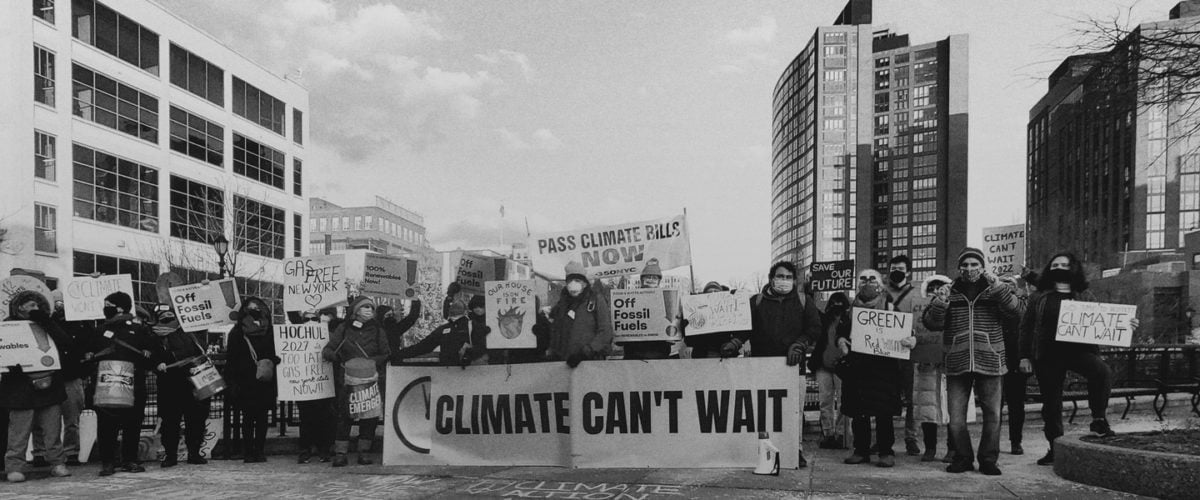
795 354
730 349
16 369
574 359
844 345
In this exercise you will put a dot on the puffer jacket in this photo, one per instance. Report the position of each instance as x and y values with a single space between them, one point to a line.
580 325
973 330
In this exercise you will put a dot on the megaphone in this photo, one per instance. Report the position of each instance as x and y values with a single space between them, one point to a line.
768 456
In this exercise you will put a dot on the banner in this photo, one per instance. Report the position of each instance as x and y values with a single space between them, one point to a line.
13 285
25 343
613 250
475 270
83 296
314 282
385 276
878 332
1095 323
408 415
832 276
199 306
716 312
511 312
1004 247
302 374
643 314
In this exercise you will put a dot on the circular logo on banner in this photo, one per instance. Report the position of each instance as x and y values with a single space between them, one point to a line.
411 414
47 361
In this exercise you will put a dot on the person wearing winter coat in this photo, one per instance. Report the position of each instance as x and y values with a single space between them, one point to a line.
871 385
580 324
900 292
317 418
250 374
359 336
709 344
175 401
396 328
826 354
651 277
34 398
1015 380
72 375
462 340
929 374
971 314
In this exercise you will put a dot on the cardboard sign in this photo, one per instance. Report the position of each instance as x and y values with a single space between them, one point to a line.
644 314
199 306
879 332
612 251
832 276
475 270
511 308
13 285
385 276
1095 323
716 312
83 296
1004 247
314 282
25 343
302 374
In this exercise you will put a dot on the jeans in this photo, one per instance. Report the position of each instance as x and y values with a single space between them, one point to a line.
71 409
1052 371
885 435
910 424
987 392
830 394
127 422
1014 398
20 426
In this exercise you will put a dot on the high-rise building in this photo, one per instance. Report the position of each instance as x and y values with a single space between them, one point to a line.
384 228
1112 170
870 148
133 140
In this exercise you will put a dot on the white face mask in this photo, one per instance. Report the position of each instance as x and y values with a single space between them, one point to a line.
783 286
574 287
972 275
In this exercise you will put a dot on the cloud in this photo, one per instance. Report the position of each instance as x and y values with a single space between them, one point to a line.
545 139
729 69
511 140
521 61
541 139
762 34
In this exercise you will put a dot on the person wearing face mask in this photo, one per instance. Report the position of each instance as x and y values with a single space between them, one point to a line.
829 386
708 345
651 277
899 291
462 339
929 375
359 336
971 314
317 421
580 323
175 401
249 373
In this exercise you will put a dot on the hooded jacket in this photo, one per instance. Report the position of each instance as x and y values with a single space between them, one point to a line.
580 325
16 389
356 339
778 321
973 329
241 366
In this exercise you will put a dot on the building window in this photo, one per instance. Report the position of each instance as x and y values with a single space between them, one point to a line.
96 24
196 137
921 95
297 238
297 177
358 223
260 227
143 274
115 190
44 10
337 224
924 72
113 104
881 124
924 54
297 126
924 118
835 124
44 155
324 224
257 106
837 37
197 75
881 102
43 76
883 80
197 210
835 51
256 161
881 62
45 228
835 75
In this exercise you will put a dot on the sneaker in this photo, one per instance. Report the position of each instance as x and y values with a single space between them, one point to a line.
134 467
911 447
60 471
930 455
886 461
856 459
1048 459
989 469
196 460
1100 427
16 477
959 467
1017 449
305 457
107 470
169 461
73 460
340 460
39 461
325 458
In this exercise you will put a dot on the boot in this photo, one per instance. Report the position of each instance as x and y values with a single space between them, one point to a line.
170 460
364 447
340 448
929 433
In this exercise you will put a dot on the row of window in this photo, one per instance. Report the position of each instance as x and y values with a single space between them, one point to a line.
365 223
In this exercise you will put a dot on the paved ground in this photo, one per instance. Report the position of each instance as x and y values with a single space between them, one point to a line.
825 477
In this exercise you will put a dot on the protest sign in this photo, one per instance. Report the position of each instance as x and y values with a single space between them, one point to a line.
302 374
613 250
511 312
1095 323
716 312
83 296
385 276
13 285
314 282
879 332
832 276
474 270
642 315
25 343
200 306
1004 247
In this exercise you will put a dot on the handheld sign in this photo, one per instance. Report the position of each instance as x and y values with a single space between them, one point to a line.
716 312
302 374
199 306
832 276
83 296
385 276
314 282
879 332
1095 323
641 315
511 311
1005 249
474 270
13 285
25 343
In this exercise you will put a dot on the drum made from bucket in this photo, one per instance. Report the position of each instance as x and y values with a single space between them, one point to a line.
114 384
362 389
206 380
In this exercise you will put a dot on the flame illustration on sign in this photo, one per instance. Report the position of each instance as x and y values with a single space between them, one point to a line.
510 322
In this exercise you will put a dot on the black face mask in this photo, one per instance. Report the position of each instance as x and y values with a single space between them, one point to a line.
1058 276
110 312
837 307
897 277
254 313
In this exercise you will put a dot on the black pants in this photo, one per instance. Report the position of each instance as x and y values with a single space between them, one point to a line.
1052 369
176 404
254 431
127 422
317 425
1014 398
885 435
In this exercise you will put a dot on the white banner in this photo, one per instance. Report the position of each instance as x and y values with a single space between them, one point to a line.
643 314
1095 323
314 282
408 416
83 296
878 332
511 308
716 312
613 250
302 374
385 276
25 343
1004 247
199 306
13 285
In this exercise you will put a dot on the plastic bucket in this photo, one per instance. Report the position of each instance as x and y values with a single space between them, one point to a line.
206 381
114 384
362 389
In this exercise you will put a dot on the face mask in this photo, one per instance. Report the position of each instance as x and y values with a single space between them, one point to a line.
782 286
868 292
1059 276
365 314
972 275
110 312
897 277
255 313
574 288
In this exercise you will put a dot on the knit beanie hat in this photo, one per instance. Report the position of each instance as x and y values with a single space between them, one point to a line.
652 268
476 301
971 252
575 270
358 303
712 286
121 300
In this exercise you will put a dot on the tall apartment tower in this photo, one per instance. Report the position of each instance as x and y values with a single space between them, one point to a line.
870 148
132 140
1108 174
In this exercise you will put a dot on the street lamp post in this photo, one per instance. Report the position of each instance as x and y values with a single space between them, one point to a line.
221 245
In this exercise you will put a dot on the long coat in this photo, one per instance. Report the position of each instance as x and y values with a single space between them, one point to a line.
871 385
249 393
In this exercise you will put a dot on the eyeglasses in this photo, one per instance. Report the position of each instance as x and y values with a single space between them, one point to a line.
784 277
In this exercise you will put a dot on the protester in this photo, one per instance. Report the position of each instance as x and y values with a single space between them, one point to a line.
33 398
651 277
971 314
72 375
358 337
825 356
457 338
317 421
250 374
180 351
580 325
120 340
899 291
929 375
396 328
709 344
1014 381
452 291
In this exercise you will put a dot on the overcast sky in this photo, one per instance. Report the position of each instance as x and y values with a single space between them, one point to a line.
576 114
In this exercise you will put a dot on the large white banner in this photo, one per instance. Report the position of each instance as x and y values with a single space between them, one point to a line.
1005 249
1095 323
613 250
314 282
200 306
511 308
302 374
716 312
83 296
